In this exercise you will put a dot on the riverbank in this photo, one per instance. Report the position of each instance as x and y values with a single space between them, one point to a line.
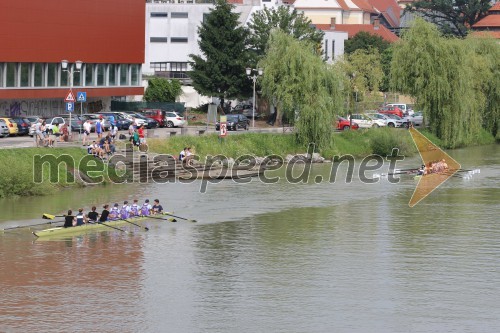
17 172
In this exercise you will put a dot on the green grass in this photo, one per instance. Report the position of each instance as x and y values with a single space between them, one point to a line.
17 171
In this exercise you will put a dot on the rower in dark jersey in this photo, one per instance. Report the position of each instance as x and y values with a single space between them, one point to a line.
104 214
157 208
93 215
68 219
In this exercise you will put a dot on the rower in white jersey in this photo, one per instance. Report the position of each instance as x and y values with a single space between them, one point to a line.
114 213
135 209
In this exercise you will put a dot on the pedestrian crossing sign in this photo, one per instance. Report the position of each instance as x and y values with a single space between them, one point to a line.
81 96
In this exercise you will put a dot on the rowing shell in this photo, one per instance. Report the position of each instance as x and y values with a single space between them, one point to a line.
61 231
464 174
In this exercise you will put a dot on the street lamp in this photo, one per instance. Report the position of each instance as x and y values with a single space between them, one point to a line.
258 72
65 68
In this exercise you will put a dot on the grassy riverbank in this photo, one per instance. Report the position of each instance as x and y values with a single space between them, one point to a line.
358 143
17 171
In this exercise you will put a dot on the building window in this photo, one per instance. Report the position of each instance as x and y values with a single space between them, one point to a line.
159 14
1 74
134 73
51 75
11 74
178 40
158 39
77 77
333 49
112 74
179 15
25 74
64 78
124 75
89 75
101 74
326 48
39 75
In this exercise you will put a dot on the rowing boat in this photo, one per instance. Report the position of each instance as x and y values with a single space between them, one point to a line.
61 231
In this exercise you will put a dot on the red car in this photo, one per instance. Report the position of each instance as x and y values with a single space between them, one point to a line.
344 124
390 109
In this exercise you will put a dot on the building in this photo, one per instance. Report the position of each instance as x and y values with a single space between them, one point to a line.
106 35
490 24
352 29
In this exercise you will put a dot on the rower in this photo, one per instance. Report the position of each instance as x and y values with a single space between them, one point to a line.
104 214
125 210
134 209
69 219
80 218
146 208
421 171
93 215
157 208
114 213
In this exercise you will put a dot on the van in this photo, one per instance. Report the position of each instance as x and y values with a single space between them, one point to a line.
403 107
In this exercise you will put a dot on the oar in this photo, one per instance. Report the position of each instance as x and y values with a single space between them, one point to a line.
50 216
140 226
179 217
32 225
160 218
101 223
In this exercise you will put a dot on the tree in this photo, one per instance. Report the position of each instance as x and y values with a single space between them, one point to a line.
437 71
451 16
284 18
162 90
221 70
307 90
365 41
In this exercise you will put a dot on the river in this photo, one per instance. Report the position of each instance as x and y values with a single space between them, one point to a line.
327 257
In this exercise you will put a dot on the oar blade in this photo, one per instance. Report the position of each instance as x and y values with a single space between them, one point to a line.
48 216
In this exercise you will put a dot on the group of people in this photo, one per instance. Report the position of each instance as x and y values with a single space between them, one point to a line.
186 156
433 167
47 136
102 148
115 213
137 133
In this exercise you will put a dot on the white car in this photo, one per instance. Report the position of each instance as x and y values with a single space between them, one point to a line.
389 122
174 120
365 121
4 130
128 116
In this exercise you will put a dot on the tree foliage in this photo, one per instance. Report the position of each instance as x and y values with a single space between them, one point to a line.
162 90
448 79
452 16
220 71
284 18
305 88
365 41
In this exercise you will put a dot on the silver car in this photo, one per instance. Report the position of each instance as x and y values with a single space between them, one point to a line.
4 130
417 119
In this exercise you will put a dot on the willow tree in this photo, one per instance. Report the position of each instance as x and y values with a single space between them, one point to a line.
307 90
435 70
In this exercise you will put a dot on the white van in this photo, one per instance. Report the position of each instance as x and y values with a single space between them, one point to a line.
407 110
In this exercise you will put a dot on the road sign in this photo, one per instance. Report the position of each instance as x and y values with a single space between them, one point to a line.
70 97
81 96
70 106
223 129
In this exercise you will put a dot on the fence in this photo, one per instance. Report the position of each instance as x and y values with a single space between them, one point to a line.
134 106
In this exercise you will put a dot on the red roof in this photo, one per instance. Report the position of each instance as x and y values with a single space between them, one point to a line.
389 9
353 29
495 7
365 6
488 21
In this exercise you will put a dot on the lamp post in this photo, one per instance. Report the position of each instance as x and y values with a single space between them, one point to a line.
257 72
65 68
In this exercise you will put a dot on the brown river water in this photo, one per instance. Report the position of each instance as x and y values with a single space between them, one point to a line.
265 258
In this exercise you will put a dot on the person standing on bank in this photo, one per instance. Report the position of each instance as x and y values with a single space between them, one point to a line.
87 127
98 128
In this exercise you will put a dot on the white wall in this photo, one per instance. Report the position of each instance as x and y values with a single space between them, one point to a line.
339 37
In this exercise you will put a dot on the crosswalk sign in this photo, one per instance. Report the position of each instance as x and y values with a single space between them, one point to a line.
70 97
81 96
70 106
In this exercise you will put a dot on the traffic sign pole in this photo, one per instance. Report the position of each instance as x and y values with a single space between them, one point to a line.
81 97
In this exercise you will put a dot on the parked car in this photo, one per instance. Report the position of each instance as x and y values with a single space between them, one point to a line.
157 114
11 124
417 119
94 117
121 122
131 116
404 123
148 122
4 129
365 121
343 124
173 119
234 121
76 123
391 110
407 110
23 125
389 122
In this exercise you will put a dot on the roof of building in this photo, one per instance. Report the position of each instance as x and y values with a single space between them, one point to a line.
353 29
389 9
495 7
334 4
492 20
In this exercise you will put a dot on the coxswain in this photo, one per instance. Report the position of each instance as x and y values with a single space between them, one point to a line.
114 213
125 210
134 209
146 208
157 208
93 215
81 219
104 214
69 219
421 171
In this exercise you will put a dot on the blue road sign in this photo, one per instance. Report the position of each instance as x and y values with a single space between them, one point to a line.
70 107
81 96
